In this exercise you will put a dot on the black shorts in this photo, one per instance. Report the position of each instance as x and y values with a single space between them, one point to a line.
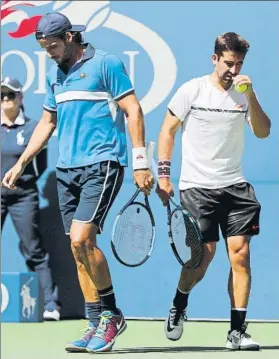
234 208
87 193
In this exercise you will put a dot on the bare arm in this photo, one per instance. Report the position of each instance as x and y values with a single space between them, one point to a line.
259 121
39 138
129 104
133 112
166 137
165 147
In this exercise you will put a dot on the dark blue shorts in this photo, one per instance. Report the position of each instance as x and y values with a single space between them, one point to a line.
87 193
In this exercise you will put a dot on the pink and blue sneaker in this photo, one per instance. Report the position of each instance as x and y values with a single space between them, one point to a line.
111 325
80 345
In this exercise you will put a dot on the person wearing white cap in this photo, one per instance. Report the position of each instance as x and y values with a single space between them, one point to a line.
16 130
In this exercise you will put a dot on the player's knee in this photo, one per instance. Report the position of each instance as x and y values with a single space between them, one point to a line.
209 252
240 258
79 242
82 246
200 275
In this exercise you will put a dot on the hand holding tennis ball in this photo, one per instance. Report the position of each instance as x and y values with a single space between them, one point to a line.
242 83
241 88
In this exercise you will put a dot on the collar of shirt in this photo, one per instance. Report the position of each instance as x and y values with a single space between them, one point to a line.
19 121
88 53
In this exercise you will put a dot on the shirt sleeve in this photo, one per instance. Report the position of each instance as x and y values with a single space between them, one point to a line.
115 77
49 102
181 102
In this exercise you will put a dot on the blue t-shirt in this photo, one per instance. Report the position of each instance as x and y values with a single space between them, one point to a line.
91 125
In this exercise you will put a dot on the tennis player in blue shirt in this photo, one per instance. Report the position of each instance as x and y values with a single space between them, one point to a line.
88 93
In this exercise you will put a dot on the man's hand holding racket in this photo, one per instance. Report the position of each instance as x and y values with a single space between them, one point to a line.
164 190
144 180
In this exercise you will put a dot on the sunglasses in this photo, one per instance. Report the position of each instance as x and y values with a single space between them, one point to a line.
9 95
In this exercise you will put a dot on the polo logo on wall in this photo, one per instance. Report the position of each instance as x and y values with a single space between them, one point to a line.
28 302
94 14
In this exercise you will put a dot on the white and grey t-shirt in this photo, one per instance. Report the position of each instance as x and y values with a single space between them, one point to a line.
212 133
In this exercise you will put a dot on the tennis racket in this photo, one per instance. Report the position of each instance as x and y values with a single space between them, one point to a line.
184 235
183 231
133 232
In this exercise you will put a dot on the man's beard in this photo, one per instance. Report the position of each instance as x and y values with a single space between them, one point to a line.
64 64
227 80
64 61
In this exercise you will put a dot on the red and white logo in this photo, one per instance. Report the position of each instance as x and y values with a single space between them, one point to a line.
94 14
10 13
240 107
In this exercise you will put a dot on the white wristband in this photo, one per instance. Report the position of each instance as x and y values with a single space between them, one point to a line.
139 158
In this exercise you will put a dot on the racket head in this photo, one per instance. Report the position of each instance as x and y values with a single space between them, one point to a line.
133 234
185 237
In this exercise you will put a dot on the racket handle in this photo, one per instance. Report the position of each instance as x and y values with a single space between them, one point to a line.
173 201
151 159
150 149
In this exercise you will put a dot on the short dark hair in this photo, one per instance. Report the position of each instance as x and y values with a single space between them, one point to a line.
77 37
230 41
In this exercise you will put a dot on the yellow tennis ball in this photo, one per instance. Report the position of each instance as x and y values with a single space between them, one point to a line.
241 88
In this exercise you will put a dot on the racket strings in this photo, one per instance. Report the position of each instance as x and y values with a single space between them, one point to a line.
179 232
133 234
185 239
193 242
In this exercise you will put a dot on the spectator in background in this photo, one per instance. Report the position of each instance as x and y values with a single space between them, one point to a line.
23 203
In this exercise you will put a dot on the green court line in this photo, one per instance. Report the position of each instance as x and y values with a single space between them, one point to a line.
142 339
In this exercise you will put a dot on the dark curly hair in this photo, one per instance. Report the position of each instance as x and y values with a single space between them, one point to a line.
230 41
78 39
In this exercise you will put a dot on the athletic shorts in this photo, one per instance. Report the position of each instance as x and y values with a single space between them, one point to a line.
87 193
235 209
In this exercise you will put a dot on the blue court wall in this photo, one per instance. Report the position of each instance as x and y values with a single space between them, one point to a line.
163 44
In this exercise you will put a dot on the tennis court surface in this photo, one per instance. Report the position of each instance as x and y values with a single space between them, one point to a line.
142 339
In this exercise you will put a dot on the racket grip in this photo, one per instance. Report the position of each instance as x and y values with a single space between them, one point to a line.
150 149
